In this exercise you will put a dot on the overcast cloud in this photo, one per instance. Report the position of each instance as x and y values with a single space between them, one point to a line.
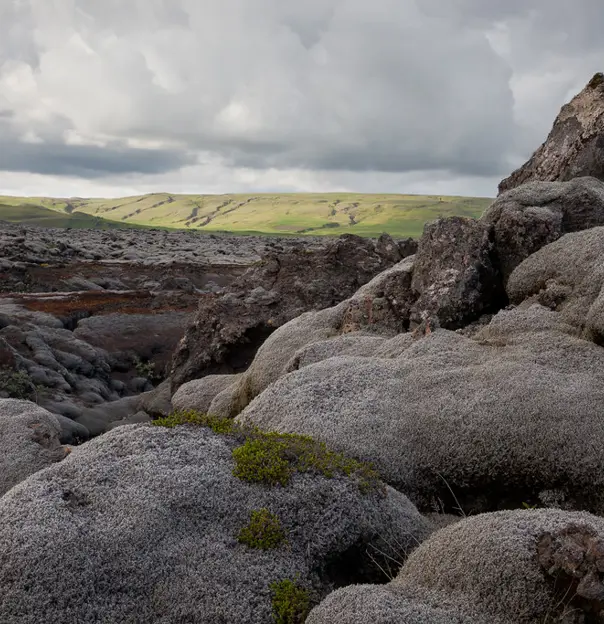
117 97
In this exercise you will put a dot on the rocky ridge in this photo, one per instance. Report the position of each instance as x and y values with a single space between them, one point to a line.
575 145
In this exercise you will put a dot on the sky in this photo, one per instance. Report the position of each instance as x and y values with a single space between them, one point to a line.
105 98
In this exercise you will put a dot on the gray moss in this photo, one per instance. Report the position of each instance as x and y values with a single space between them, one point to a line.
140 525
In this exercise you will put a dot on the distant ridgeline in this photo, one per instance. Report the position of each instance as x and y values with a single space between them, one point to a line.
279 214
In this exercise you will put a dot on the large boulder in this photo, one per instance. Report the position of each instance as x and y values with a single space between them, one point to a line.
30 439
535 214
480 423
567 276
575 145
516 567
142 525
199 393
455 273
229 328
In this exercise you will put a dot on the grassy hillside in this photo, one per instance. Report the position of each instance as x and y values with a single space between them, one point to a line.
295 213
30 214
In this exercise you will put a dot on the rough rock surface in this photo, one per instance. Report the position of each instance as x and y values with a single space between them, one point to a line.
497 419
149 337
381 307
41 259
229 328
538 213
140 525
567 276
575 145
455 273
30 441
519 567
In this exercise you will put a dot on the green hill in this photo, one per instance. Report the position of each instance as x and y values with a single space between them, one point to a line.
288 213
30 214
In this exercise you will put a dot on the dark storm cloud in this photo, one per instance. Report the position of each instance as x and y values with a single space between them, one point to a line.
88 161
349 85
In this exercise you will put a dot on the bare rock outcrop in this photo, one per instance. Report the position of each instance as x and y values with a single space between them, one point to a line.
575 145
455 273
229 328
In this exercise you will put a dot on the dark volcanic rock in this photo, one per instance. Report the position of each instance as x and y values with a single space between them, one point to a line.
88 317
150 337
575 145
229 328
455 273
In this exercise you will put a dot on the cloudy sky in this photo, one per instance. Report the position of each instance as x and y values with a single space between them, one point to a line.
116 97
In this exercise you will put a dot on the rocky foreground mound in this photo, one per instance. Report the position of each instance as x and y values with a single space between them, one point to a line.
511 567
148 524
502 415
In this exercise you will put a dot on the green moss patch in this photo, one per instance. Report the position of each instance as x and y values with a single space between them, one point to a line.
291 603
273 458
261 461
264 531
191 417
16 384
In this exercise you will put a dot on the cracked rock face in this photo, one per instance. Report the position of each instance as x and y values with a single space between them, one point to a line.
574 558
229 328
575 145
455 272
